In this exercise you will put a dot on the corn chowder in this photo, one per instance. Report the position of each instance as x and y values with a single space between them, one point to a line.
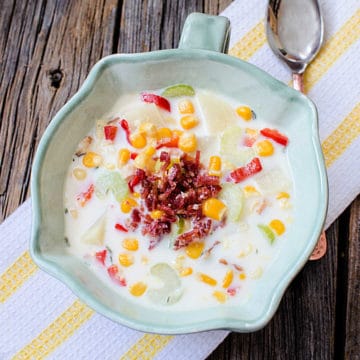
179 198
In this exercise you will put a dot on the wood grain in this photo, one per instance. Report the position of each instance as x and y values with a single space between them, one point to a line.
48 48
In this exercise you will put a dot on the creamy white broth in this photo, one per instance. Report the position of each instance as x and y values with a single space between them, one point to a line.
242 247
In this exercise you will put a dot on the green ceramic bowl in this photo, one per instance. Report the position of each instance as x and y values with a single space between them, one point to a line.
199 61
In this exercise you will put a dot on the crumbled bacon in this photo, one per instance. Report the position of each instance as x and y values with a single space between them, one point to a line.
178 190
208 251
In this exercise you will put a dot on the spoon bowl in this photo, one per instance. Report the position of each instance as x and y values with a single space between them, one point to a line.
295 31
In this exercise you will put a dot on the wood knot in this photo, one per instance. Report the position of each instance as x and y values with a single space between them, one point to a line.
55 77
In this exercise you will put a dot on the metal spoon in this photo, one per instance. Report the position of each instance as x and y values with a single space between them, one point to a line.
294 30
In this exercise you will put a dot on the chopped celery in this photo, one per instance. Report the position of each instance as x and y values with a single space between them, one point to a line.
233 197
178 90
111 181
171 290
267 232
230 148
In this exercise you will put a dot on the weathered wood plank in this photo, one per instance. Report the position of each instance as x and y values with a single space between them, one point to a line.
47 53
352 322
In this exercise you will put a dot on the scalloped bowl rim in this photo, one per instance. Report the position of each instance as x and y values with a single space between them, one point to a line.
79 289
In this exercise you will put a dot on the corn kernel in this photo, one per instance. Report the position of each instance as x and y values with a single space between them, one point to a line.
214 208
177 133
251 132
194 249
137 289
207 279
123 157
265 148
278 226
250 190
138 140
242 276
283 195
220 296
148 128
136 195
164 133
79 174
215 166
245 112
228 278
126 259
156 214
188 122
130 244
187 142
127 205
186 107
150 151
186 271
92 159
74 213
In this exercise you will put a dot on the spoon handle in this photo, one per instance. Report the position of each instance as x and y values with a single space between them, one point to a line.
298 82
321 245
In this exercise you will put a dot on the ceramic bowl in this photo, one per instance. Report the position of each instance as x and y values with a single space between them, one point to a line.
199 61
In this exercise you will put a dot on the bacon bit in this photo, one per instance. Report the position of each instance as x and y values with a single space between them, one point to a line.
207 252
238 267
232 291
135 179
133 155
121 227
223 261
125 126
101 256
84 197
178 191
113 272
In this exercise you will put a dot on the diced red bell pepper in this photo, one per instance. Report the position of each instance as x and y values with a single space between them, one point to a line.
121 227
113 272
275 135
84 197
170 143
135 179
133 155
110 132
159 101
101 256
242 173
125 126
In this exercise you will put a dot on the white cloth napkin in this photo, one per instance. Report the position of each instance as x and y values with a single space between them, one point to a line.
40 317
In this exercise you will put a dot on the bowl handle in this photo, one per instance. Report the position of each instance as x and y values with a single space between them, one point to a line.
206 32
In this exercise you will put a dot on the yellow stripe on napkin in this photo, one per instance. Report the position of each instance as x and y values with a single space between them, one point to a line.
147 347
56 333
16 275
342 137
332 50
250 43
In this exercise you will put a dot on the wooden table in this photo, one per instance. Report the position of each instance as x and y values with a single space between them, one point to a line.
48 48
